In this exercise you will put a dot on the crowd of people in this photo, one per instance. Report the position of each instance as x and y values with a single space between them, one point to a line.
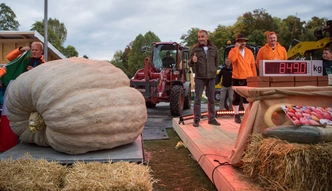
204 58
239 65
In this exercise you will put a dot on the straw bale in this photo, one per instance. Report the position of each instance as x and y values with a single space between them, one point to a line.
27 173
120 176
279 165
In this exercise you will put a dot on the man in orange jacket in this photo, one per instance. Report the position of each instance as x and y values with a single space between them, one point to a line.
2 70
272 50
37 57
244 66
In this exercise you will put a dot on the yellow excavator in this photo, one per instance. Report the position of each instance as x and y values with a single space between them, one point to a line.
304 50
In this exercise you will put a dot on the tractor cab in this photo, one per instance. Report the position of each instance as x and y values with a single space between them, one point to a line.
168 55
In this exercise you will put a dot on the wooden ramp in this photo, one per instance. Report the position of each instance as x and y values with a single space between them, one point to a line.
211 146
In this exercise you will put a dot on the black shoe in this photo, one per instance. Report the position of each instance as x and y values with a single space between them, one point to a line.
214 122
237 118
196 123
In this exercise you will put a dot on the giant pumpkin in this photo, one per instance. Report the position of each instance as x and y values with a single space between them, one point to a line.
75 106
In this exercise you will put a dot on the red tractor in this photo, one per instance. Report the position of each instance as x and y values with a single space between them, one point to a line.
165 80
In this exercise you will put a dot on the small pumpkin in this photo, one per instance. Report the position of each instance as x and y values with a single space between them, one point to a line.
75 106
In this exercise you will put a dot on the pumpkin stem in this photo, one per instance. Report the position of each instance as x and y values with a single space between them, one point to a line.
36 122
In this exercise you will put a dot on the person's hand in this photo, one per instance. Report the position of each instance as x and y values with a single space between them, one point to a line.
25 48
194 59
237 44
29 68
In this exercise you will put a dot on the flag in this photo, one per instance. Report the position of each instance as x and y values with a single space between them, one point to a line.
8 139
15 68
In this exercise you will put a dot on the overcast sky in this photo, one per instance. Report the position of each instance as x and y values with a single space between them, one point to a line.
99 28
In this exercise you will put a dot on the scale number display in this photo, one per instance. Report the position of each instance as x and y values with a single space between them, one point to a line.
286 67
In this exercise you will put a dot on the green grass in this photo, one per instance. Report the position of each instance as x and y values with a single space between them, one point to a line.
175 168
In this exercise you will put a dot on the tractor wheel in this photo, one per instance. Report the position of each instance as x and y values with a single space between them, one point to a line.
176 100
150 105
187 101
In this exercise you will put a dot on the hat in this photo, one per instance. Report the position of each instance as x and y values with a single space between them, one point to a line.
241 37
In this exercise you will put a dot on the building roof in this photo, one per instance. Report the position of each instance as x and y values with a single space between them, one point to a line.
30 36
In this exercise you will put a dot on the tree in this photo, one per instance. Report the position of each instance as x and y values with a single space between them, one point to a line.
58 28
70 51
257 37
136 57
255 24
220 37
290 28
311 28
190 39
57 35
120 59
7 18
119 62
57 32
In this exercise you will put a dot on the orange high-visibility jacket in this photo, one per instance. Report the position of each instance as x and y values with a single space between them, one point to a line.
243 67
267 53
2 72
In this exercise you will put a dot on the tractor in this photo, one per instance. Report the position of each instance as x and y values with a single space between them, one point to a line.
165 82
306 50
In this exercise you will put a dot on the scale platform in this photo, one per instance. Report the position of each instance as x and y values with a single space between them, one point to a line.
132 152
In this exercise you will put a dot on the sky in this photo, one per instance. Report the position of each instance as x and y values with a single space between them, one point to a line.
99 28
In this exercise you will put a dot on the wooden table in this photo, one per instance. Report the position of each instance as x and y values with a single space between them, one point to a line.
260 99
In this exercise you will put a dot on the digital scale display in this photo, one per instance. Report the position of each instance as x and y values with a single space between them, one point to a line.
291 68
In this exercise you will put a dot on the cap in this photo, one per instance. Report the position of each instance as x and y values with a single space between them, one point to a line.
241 37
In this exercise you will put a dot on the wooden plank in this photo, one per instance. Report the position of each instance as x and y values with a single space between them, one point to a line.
211 145
300 83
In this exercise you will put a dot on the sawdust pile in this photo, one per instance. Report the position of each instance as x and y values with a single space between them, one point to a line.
279 165
27 173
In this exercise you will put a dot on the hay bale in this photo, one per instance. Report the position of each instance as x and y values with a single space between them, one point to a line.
108 176
279 165
27 173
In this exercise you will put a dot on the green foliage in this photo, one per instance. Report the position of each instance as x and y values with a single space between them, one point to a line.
136 56
291 28
257 37
7 18
70 51
58 28
120 60
190 38
220 37
56 32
